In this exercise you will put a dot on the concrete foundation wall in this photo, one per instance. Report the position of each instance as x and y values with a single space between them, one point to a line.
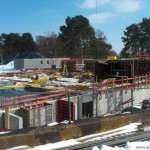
37 116
48 115
22 113
16 122
103 103
112 101
22 118
54 111
70 131
74 99
141 94
2 120
78 102
40 116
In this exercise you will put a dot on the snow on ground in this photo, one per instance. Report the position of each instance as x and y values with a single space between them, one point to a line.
125 129
4 132
8 66
52 124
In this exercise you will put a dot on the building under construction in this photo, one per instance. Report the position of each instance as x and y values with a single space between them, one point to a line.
73 102
122 68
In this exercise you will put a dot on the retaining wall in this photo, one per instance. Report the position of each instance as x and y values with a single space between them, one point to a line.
112 101
61 132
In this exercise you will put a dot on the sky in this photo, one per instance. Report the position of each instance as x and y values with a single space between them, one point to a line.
41 17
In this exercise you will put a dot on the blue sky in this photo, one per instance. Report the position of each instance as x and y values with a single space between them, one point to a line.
40 17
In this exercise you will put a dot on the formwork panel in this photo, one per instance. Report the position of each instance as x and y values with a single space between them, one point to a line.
63 110
75 101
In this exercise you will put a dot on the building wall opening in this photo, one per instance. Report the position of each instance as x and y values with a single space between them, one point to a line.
87 109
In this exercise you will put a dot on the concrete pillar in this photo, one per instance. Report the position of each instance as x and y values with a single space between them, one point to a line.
7 118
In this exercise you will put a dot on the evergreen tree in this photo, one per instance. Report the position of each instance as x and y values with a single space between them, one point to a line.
16 43
78 37
137 39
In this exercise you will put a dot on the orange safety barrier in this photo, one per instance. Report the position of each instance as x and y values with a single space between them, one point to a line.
140 56
35 105
17 99
25 71
123 83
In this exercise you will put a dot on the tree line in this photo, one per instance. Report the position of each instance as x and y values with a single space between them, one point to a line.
136 39
77 38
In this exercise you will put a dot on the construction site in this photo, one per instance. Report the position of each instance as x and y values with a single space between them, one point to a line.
73 89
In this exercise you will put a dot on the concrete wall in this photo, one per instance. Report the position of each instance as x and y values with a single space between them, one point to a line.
21 113
141 94
112 101
37 116
2 119
16 122
74 99
103 104
78 102
65 132
53 104
40 116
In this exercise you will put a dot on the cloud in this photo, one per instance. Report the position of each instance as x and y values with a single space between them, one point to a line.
125 6
116 6
100 17
93 3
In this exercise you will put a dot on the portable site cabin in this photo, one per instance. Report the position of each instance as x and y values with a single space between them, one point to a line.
37 63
